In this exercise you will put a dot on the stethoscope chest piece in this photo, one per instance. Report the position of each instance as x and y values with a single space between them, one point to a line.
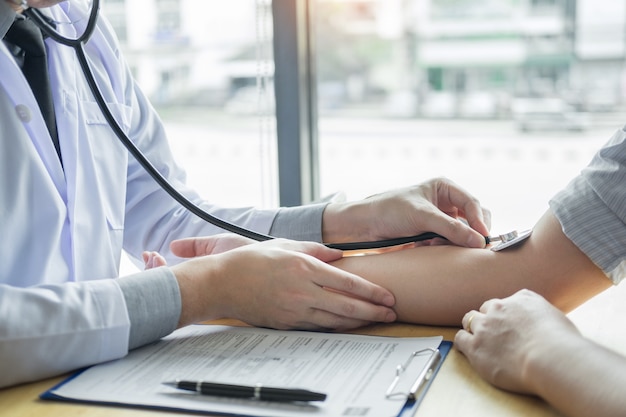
510 239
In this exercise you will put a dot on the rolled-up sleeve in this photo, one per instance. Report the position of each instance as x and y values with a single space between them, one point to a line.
592 208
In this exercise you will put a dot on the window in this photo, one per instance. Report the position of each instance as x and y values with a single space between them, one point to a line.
207 68
494 95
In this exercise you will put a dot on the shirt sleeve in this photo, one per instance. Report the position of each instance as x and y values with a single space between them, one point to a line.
592 208
299 223
51 329
153 302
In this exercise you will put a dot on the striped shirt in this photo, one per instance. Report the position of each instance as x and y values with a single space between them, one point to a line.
592 208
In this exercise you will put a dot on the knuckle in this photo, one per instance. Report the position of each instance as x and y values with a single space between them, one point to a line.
349 283
288 320
348 309
295 264
472 200
333 322
454 225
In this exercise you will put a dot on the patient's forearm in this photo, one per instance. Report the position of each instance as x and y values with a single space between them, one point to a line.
438 284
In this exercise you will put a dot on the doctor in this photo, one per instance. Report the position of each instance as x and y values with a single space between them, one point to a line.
67 216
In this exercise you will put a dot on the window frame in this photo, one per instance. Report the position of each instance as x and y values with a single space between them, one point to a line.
296 102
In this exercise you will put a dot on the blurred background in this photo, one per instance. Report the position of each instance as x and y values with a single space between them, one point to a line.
509 98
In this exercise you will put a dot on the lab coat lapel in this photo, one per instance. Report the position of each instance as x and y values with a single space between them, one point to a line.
91 156
64 81
24 101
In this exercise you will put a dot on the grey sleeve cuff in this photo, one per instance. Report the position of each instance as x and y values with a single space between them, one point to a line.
299 223
154 305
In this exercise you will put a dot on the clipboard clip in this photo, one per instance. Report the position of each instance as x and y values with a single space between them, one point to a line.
422 379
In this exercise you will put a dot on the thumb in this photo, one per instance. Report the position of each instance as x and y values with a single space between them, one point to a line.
207 245
319 251
457 231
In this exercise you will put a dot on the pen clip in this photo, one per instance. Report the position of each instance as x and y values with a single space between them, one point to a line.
427 373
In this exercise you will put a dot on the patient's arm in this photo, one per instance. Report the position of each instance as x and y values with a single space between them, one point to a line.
438 284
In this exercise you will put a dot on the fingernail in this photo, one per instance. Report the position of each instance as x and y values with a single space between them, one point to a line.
391 316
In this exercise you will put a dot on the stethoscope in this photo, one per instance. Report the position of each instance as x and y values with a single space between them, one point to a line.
78 44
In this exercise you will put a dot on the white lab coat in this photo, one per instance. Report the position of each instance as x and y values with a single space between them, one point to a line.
63 228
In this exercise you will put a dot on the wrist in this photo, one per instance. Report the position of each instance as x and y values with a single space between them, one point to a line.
199 290
546 358
346 222
532 367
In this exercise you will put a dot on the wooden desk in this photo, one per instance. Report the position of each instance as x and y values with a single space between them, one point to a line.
457 391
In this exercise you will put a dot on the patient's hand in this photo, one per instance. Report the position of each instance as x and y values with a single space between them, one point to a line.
153 259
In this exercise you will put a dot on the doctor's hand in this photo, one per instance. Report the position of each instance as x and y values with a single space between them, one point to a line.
280 284
508 337
438 205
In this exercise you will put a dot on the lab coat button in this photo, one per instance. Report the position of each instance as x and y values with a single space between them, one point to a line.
23 112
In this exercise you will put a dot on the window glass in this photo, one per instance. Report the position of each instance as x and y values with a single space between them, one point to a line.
207 66
508 98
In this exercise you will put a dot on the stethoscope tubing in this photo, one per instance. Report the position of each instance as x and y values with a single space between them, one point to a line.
78 46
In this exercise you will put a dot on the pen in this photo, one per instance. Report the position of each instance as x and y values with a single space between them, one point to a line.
258 391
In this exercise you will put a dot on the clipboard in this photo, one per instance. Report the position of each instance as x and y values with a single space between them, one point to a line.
406 401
